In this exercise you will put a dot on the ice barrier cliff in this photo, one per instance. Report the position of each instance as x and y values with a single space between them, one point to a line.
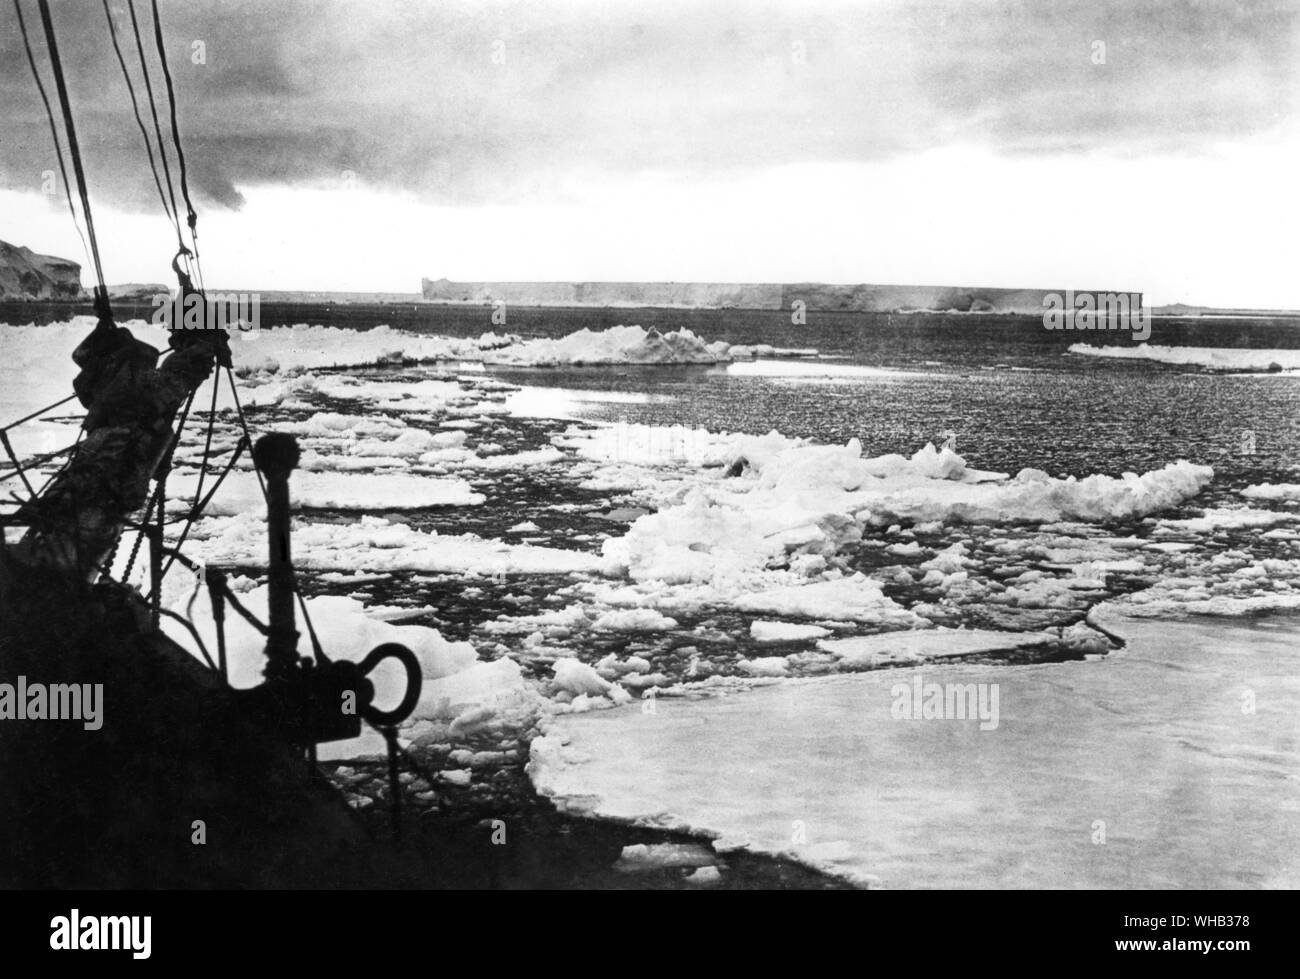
858 297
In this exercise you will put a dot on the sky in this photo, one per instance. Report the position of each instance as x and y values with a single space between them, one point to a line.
363 145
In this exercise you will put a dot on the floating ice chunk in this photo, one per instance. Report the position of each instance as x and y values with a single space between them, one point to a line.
558 622
764 666
1272 491
634 620
374 544
784 503
516 460
335 425
857 598
1034 497
764 631
484 697
905 550
950 560
704 877
1226 519
241 492
611 666
1216 358
1269 585
339 578
412 442
655 856
912 647
696 541
313 461
578 678
616 345
584 702
649 445
399 613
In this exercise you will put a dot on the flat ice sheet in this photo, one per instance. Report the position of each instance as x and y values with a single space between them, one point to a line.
1152 747
924 644
815 369
1217 358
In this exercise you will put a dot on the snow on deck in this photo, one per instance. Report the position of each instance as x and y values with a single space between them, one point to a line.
1145 769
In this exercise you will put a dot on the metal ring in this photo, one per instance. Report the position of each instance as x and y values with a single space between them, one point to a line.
414 680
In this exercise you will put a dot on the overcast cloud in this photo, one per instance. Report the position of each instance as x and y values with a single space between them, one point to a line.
408 96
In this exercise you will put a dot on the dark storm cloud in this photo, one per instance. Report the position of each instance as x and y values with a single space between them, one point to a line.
408 96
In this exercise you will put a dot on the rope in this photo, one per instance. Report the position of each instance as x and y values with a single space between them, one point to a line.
193 632
18 466
197 509
72 455
153 110
306 617
139 538
54 133
244 423
191 218
33 462
144 133
37 414
252 620
159 489
74 148
207 443
302 604
217 581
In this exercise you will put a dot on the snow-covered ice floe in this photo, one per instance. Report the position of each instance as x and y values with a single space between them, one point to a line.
275 366
1138 770
303 347
1214 358
756 522
761 630
917 646
242 493
1273 491
616 345
1223 518
375 544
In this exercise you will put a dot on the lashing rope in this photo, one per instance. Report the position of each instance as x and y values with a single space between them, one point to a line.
144 133
191 218
153 111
